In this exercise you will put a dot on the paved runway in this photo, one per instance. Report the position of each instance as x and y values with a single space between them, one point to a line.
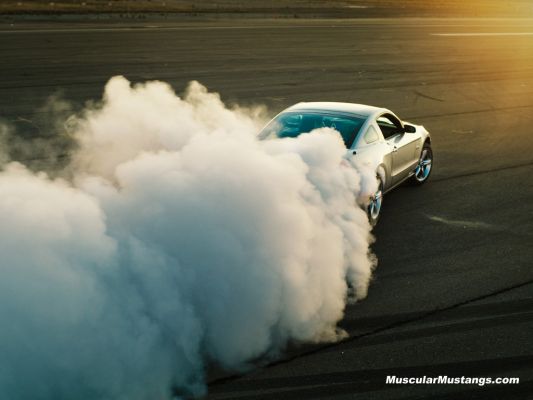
453 292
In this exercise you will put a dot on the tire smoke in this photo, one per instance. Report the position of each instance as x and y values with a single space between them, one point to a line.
174 240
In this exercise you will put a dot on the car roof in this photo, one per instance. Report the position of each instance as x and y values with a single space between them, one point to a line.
330 106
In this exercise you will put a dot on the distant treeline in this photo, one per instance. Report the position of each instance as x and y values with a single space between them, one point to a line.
334 8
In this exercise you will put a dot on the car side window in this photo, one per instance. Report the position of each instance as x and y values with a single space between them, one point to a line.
387 126
371 135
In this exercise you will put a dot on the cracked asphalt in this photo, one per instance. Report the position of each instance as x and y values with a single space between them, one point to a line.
453 292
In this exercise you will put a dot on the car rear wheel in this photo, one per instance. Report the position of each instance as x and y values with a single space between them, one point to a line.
424 166
376 201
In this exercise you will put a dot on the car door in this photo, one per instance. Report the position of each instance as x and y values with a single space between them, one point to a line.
403 146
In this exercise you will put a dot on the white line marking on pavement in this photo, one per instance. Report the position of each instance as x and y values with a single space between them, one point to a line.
461 223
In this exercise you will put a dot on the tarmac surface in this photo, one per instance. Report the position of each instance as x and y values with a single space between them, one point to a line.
453 292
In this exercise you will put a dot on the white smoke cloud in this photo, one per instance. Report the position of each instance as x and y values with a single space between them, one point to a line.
178 240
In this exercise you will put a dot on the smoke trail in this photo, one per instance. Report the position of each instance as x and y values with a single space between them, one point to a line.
178 240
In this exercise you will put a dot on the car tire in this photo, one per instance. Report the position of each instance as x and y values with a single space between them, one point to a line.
376 202
424 167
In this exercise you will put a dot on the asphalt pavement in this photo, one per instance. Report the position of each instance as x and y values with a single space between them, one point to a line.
453 292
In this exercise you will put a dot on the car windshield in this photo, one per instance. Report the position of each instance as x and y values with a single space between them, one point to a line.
292 124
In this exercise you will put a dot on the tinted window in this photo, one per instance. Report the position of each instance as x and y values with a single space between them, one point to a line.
387 126
292 124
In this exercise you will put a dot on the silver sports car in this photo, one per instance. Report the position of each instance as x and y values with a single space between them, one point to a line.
399 150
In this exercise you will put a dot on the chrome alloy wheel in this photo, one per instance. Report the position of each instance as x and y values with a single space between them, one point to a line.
374 207
423 169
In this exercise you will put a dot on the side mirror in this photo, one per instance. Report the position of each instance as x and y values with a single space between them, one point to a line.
409 128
